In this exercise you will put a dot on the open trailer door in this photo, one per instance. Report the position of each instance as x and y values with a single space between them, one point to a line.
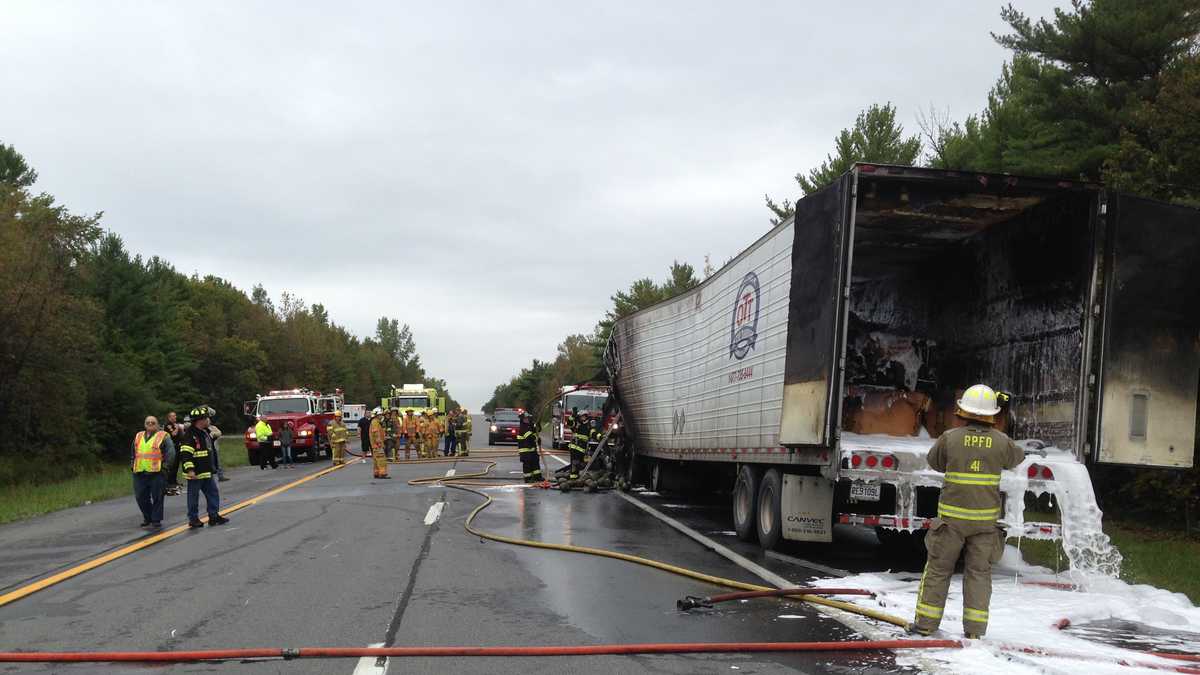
1150 350
816 316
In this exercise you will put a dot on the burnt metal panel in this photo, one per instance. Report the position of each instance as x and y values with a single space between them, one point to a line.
812 372
1150 363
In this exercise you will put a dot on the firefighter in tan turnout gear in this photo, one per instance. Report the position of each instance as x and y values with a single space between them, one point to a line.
971 457
338 436
378 436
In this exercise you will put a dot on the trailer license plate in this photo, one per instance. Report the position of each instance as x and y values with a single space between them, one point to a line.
864 492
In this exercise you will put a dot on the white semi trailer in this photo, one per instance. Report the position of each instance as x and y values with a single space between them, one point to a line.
809 375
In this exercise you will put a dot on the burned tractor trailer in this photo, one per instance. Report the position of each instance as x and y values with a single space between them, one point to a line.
810 374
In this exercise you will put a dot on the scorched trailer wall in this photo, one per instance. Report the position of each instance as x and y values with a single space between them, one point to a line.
887 293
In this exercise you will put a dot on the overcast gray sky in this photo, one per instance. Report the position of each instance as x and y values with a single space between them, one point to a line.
455 165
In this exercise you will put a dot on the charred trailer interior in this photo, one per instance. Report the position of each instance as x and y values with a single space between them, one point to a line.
1080 304
950 286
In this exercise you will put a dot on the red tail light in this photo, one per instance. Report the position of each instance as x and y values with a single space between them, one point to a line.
1033 470
855 460
1047 473
872 460
889 462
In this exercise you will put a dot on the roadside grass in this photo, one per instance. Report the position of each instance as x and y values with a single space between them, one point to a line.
1162 559
18 502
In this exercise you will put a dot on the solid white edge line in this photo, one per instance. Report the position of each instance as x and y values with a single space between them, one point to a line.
851 621
435 512
366 665
801 562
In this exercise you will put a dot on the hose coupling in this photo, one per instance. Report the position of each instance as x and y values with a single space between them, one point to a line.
692 602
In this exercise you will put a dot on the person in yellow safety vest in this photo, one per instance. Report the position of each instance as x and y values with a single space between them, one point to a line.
196 453
464 433
266 449
338 436
410 434
531 464
150 451
971 458
378 437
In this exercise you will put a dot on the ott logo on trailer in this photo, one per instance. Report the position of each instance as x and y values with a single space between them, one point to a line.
743 331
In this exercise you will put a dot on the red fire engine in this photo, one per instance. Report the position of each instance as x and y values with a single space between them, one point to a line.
309 412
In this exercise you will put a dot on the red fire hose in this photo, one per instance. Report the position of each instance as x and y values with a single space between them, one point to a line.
586 650
574 650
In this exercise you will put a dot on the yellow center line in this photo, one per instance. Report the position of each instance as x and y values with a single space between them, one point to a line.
34 587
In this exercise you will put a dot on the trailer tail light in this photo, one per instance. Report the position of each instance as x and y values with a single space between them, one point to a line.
872 460
1036 472
889 462
855 461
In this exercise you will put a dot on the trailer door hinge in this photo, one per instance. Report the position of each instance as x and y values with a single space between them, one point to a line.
1096 309
1103 208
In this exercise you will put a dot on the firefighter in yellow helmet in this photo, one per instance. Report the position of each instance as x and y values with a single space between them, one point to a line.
378 437
971 457
433 431
338 436
463 432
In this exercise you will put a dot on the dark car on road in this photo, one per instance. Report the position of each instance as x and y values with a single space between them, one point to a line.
503 426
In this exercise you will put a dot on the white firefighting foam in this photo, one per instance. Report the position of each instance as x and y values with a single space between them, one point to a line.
1025 615
1088 549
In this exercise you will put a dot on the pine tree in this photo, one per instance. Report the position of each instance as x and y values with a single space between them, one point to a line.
875 137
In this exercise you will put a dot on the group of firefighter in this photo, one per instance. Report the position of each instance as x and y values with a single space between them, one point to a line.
389 432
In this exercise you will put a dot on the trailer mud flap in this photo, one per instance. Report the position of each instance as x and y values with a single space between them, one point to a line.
807 508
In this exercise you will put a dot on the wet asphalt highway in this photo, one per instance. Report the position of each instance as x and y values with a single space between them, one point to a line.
347 560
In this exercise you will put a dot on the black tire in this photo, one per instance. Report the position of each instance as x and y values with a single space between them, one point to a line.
745 502
769 520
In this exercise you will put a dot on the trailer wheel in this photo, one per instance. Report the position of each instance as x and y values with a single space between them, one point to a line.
770 520
745 502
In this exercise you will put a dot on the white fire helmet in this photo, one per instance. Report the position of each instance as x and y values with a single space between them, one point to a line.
377 411
979 400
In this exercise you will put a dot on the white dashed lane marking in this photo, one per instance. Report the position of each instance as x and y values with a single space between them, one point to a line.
434 513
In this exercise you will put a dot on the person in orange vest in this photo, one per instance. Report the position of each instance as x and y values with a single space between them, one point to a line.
151 450
378 436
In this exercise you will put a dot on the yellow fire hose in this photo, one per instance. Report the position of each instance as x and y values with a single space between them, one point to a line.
480 478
